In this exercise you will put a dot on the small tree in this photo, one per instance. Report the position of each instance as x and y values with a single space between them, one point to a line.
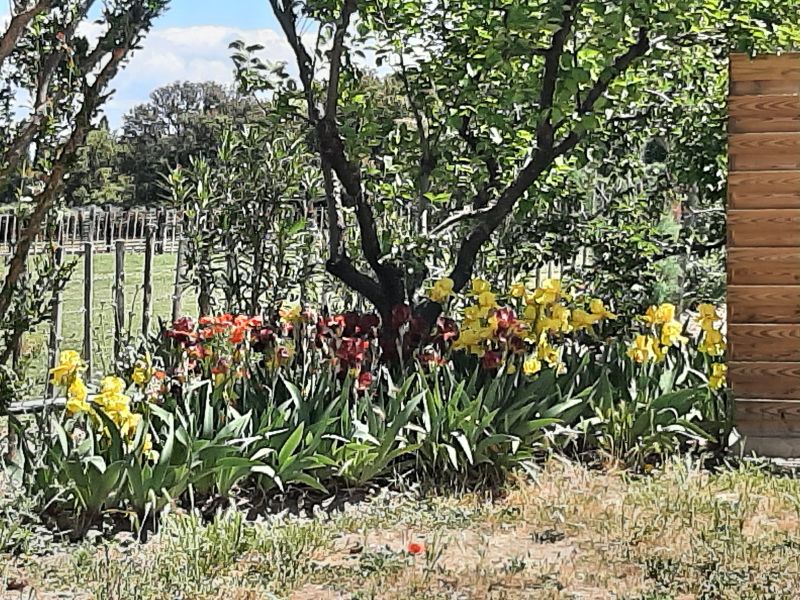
501 96
61 78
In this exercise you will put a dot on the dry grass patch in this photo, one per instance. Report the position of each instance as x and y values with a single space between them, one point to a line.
573 533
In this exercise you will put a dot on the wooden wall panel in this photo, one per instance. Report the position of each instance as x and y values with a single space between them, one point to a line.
763 189
785 67
768 417
763 266
771 228
764 151
758 380
764 303
766 88
764 114
754 342
764 251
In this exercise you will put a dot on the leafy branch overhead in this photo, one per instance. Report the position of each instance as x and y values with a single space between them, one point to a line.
53 68
495 96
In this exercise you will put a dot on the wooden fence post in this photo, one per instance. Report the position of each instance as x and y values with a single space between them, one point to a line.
4 229
147 295
178 289
55 326
88 299
161 230
119 297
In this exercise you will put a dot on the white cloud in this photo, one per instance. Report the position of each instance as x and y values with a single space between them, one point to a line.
198 53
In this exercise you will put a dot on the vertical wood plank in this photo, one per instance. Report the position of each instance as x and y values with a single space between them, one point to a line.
108 233
88 299
92 225
177 292
119 297
75 235
56 315
147 287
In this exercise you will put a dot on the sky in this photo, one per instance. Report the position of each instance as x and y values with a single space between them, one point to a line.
190 43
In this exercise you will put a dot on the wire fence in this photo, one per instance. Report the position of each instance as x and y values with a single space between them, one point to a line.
104 227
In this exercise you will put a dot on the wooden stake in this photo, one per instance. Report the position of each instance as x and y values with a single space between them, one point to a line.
178 289
119 298
147 295
56 325
88 299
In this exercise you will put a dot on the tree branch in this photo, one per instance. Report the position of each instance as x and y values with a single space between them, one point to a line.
334 158
17 25
305 66
344 269
541 159
492 166
335 224
546 151
619 66
336 58
92 99
22 141
552 68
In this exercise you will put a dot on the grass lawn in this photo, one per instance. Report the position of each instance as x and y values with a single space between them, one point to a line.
103 311
681 533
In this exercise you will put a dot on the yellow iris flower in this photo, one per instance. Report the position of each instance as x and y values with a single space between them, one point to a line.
658 315
517 290
707 316
77 393
487 299
671 333
441 290
549 293
598 308
641 349
69 365
712 344
719 373
531 366
582 319
479 286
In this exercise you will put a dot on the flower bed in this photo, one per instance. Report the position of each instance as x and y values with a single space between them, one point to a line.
295 398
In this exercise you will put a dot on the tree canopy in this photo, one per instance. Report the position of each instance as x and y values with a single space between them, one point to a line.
500 100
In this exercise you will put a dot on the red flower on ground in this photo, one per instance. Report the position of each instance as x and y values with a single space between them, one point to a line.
415 548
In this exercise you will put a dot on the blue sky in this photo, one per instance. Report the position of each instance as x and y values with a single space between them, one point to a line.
190 43
230 13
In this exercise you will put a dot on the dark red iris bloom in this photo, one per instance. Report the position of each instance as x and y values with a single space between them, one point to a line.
182 331
430 356
447 329
401 314
492 360
364 381
350 352
262 339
